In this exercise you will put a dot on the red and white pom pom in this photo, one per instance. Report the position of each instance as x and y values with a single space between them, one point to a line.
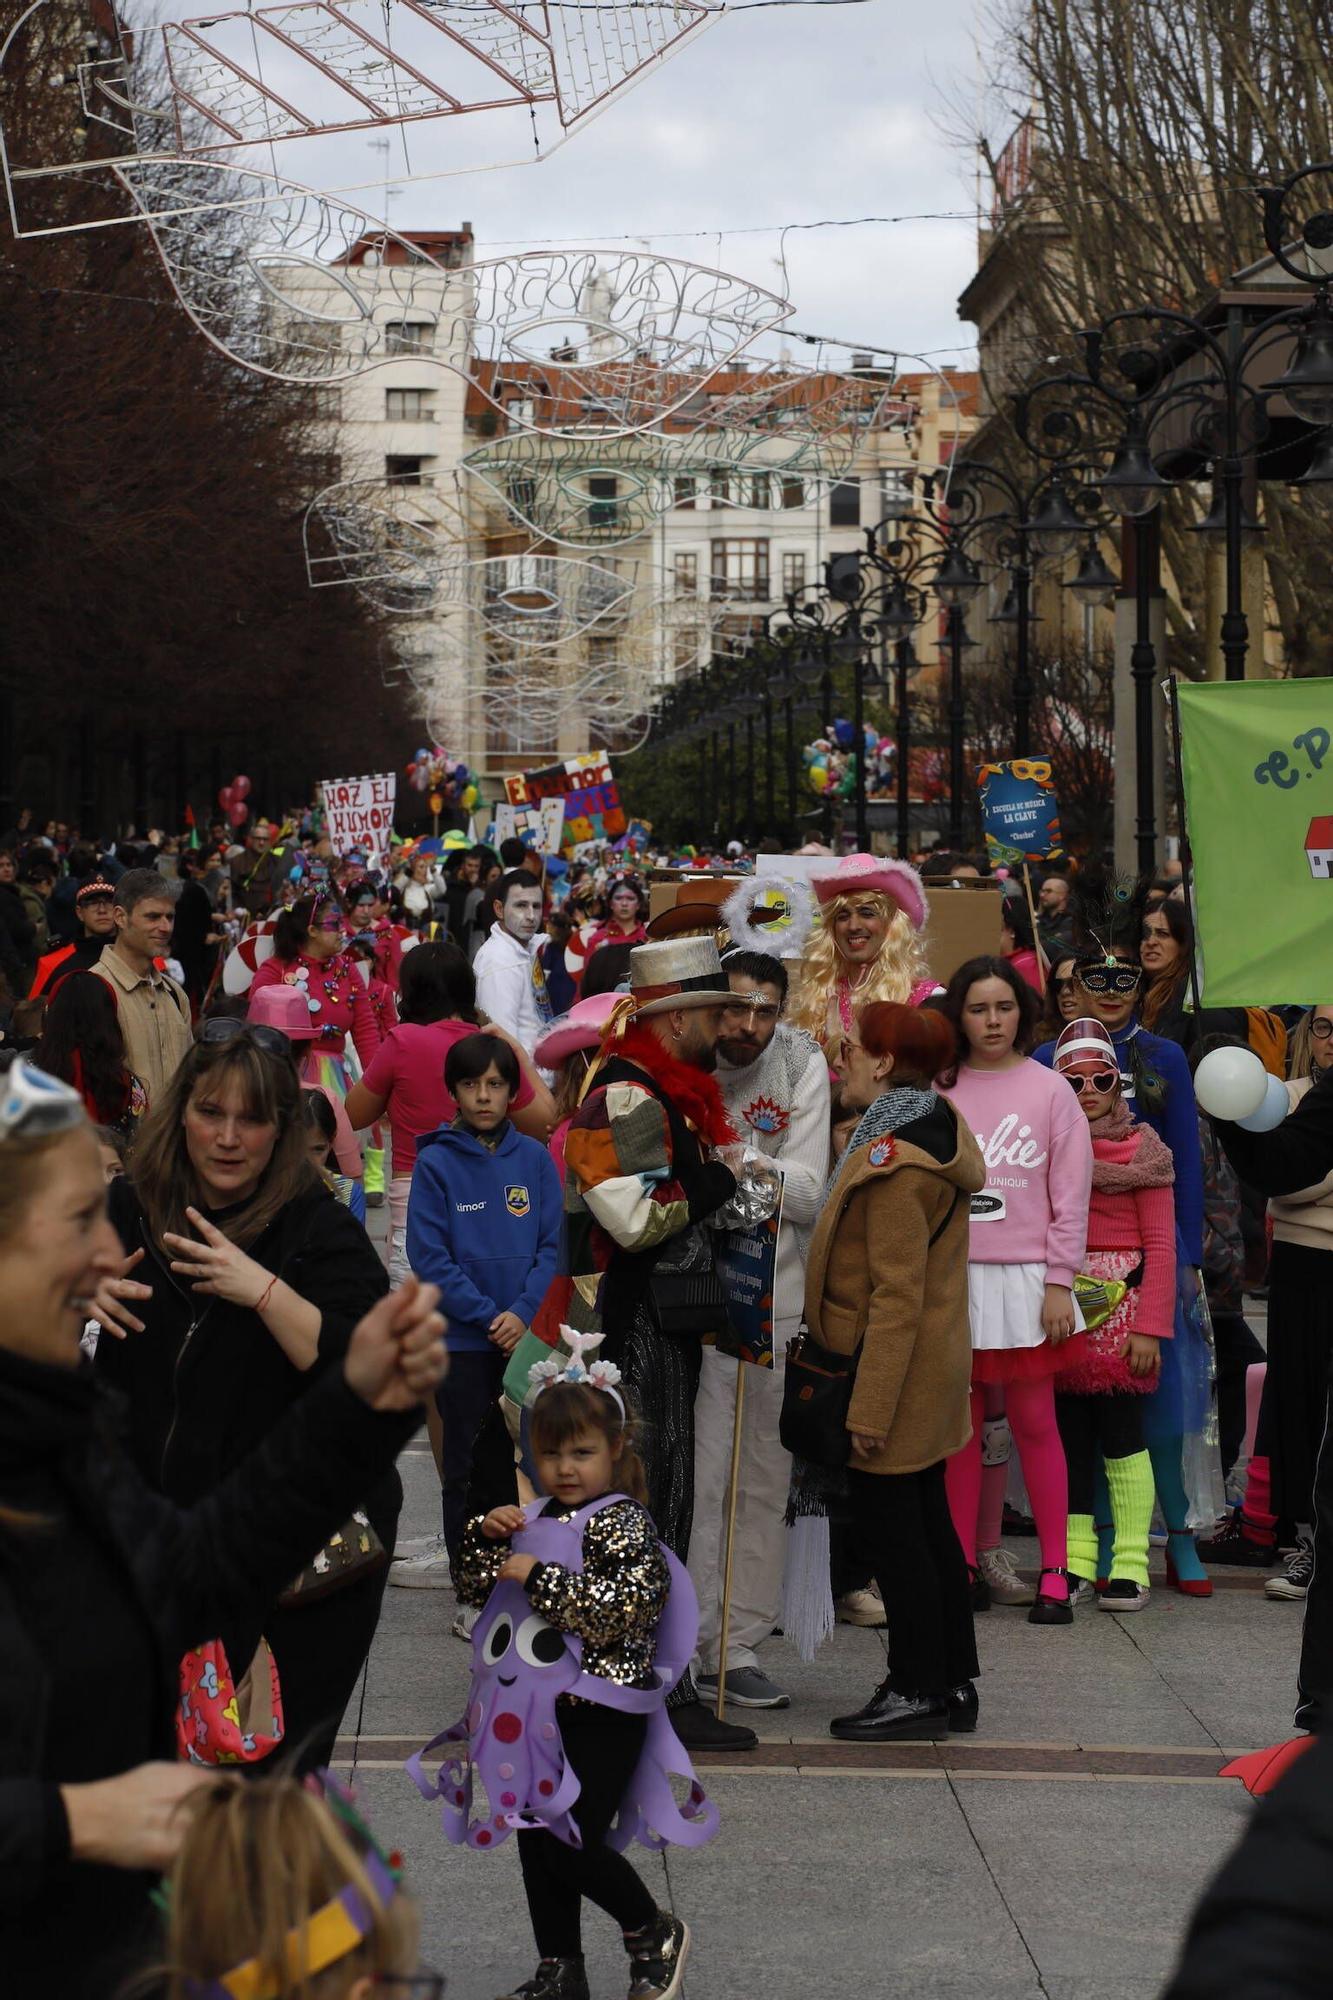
244 960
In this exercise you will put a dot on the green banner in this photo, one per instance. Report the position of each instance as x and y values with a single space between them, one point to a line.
1257 758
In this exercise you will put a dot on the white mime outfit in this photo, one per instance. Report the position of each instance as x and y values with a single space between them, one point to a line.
509 983
780 1105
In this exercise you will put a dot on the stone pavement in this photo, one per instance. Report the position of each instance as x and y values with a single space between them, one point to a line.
1057 1852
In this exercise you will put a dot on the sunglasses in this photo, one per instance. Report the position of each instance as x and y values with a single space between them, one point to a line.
1061 985
271 1040
1118 979
1101 1080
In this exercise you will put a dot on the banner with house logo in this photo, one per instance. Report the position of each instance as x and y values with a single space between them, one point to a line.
746 1262
1020 813
1257 761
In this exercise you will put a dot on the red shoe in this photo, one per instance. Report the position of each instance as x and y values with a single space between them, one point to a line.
1188 1586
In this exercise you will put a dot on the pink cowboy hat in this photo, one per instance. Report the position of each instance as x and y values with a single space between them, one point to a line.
285 1008
580 1028
877 872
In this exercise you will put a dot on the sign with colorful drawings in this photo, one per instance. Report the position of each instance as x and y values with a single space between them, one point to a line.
590 796
358 814
1020 813
1262 843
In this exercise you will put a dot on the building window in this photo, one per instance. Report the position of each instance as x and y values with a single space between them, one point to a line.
410 336
402 471
603 511
522 498
408 406
759 489
844 504
719 484
684 490
793 493
793 573
740 569
687 575
323 406
898 487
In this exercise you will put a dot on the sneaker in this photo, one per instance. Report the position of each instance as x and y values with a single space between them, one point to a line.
657 1956
1006 1586
747 1687
1081 1591
1294 1582
699 1729
554 1979
862 1607
1121 1594
1232 1546
418 1545
428 1571
462 1628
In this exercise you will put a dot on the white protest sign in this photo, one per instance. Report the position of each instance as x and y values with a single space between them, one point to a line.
359 813
553 825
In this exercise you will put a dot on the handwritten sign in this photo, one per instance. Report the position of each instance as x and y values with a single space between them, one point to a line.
1020 813
588 794
746 1263
359 814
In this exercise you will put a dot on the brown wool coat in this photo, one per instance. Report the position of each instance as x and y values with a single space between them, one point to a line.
872 1270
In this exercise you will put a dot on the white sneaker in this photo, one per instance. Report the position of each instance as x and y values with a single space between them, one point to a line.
428 1571
999 1569
862 1607
465 1621
418 1545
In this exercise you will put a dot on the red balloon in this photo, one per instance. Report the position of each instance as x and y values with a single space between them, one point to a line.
238 813
226 798
240 788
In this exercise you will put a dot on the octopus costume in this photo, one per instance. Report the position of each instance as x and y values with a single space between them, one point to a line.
609 1616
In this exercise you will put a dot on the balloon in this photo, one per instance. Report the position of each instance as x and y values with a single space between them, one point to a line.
470 798
225 797
844 733
1272 1111
237 813
421 757
240 788
819 777
460 774
1230 1083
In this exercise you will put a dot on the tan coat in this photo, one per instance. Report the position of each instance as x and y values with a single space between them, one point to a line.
154 1019
873 1271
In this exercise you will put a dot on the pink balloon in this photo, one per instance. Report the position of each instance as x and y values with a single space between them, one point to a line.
238 813
240 788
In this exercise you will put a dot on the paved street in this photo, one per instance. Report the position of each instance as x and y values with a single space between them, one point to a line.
1055 1853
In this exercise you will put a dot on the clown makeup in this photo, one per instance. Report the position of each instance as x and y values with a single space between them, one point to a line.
859 928
580 1470
522 914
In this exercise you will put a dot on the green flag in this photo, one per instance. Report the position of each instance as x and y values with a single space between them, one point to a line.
1259 811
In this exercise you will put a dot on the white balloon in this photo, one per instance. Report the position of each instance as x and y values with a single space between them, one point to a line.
1230 1083
1272 1111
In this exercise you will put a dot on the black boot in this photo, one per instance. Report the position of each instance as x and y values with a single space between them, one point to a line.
963 1708
888 1716
554 1979
657 1957
699 1729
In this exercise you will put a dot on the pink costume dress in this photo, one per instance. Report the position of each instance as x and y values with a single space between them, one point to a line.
339 1006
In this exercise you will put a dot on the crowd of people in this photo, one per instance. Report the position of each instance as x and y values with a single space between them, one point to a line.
1010 1255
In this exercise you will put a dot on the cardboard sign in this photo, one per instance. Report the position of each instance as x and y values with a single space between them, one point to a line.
359 813
746 1262
589 798
1020 813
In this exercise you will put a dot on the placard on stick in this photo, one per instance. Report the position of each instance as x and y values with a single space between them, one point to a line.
359 813
1020 813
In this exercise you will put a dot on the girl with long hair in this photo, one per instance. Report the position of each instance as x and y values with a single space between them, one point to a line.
81 1043
309 953
1026 1243
248 1276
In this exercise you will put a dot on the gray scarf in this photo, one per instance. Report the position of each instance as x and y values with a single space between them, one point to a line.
894 1109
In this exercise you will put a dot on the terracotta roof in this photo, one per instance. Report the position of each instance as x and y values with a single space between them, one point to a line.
436 243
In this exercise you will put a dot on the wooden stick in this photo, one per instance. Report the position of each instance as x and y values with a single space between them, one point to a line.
1036 936
733 1494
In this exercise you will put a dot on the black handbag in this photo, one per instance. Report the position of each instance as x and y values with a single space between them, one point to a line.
817 1391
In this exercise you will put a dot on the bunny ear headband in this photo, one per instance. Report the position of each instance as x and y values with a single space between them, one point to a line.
603 1375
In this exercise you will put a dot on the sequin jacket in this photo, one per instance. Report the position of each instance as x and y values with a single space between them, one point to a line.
615 1605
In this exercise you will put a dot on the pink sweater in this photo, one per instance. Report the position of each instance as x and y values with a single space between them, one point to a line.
1038 1153
1138 1218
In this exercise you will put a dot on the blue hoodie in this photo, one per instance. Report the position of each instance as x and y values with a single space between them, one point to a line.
485 1227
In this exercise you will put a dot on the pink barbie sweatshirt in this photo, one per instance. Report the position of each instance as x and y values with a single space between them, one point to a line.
1038 1153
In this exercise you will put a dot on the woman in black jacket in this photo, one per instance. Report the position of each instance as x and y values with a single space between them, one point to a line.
104 1584
248 1277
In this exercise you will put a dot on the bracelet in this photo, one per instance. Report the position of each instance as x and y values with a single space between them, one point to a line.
264 1298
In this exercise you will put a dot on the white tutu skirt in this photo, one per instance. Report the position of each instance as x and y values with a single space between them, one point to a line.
1004 1306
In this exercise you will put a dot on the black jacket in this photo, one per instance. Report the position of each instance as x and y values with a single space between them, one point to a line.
165 1579
206 1380
1297 1154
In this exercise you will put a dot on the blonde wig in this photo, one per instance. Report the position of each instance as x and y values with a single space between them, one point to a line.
900 966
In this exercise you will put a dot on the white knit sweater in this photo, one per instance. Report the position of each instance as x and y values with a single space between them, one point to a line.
780 1105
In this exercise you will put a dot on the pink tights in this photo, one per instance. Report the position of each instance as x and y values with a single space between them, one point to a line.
1030 1408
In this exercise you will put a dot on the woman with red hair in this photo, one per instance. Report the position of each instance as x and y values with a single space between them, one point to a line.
887 1280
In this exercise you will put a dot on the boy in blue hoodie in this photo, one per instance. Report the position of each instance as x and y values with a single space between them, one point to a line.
484 1223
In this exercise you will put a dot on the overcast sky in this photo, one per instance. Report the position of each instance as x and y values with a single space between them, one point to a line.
770 116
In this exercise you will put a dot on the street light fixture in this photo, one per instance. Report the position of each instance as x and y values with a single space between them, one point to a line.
1055 528
957 580
1095 582
1132 486
1308 382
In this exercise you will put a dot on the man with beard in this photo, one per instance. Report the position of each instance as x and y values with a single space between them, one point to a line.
774 1083
511 987
641 1186
95 906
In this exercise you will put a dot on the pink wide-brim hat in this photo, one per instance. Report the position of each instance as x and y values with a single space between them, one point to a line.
285 1008
580 1028
880 874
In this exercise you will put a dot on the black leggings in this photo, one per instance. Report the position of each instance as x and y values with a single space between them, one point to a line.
1111 1425
902 1529
603 1746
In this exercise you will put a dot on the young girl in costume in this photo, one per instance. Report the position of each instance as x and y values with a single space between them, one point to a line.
280 1892
1111 1370
1027 1238
588 1621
